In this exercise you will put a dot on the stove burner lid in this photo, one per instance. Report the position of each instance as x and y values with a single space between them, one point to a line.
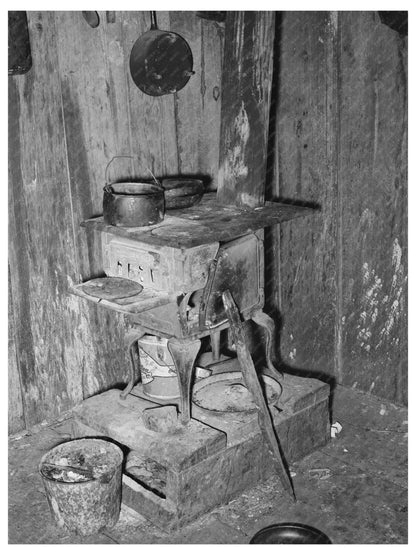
111 288
226 393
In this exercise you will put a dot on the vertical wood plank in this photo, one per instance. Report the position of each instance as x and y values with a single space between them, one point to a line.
306 161
152 119
41 240
246 86
212 52
16 420
117 76
197 105
272 278
96 129
188 101
374 200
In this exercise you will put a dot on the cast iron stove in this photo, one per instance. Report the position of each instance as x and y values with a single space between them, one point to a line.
185 264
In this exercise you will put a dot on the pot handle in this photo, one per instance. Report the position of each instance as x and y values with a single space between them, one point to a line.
107 183
109 164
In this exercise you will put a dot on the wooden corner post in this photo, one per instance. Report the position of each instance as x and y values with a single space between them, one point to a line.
246 89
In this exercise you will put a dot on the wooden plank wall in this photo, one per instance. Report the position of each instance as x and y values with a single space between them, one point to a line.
342 139
373 163
339 279
68 116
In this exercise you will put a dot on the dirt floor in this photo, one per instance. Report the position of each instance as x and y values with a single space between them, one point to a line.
361 497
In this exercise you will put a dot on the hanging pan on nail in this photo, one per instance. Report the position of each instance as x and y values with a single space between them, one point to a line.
160 61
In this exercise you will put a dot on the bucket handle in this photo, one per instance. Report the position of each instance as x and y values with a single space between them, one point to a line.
107 186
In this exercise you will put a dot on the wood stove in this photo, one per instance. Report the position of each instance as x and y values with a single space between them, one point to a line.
184 264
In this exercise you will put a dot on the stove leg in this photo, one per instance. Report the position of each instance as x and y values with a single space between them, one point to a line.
267 323
216 345
184 352
131 339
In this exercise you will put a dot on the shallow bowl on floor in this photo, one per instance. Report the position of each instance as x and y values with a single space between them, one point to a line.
290 532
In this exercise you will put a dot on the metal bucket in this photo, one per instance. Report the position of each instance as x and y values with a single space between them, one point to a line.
82 480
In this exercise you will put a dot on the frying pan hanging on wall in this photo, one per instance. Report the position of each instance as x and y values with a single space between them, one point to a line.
160 61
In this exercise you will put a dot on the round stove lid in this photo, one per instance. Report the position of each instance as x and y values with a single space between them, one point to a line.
227 393
111 288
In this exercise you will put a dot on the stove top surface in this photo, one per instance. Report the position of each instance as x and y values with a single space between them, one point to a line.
205 223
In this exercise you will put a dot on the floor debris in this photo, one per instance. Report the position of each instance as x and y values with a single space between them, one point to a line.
319 473
335 429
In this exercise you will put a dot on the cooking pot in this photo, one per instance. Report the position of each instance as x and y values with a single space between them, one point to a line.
132 204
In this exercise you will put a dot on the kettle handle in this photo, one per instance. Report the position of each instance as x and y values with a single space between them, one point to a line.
107 183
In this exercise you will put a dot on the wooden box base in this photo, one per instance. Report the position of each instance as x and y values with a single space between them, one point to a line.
211 461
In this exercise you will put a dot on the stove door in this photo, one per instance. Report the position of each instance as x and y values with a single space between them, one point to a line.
240 269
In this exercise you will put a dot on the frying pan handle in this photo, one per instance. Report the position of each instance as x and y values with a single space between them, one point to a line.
153 23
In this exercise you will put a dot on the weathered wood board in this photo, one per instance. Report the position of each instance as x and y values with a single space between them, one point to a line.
91 128
373 173
212 49
306 162
152 119
198 104
15 404
41 240
246 87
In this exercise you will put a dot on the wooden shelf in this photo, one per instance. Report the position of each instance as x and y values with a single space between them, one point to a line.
207 222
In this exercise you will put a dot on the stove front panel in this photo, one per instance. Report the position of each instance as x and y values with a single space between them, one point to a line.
165 269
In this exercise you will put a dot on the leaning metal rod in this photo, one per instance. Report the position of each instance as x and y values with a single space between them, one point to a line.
252 384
